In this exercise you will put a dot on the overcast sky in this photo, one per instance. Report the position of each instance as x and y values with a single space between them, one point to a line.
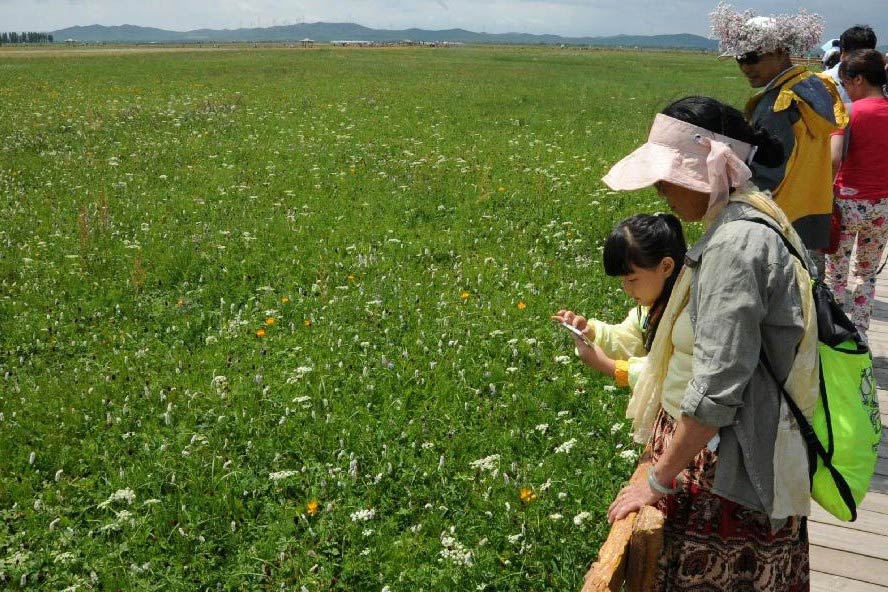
560 17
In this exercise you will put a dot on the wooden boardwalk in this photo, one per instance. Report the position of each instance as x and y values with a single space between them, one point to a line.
853 556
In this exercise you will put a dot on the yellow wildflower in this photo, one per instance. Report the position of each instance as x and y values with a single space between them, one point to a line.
464 294
312 507
307 322
521 305
270 321
527 495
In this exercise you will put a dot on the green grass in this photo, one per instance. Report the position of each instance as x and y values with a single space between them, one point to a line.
389 210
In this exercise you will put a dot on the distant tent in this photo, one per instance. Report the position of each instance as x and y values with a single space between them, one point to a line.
307 42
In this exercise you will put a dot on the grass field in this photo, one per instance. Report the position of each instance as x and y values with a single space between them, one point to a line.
278 320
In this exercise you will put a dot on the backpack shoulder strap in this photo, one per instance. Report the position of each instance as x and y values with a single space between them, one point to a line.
789 247
814 447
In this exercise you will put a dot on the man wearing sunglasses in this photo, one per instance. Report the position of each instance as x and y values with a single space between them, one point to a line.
798 107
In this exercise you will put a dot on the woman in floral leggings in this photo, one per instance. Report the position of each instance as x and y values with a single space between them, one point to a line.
861 185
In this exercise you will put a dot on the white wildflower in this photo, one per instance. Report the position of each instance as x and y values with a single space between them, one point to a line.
567 446
582 517
628 454
121 495
488 463
563 360
363 515
220 384
299 373
280 475
455 551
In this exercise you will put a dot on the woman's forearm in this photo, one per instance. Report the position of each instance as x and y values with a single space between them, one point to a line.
689 439
836 147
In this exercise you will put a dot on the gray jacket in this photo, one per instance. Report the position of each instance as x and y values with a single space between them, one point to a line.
744 297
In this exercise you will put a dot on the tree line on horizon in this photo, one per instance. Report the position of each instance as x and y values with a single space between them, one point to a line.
24 37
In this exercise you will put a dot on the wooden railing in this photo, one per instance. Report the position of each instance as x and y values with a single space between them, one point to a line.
806 62
629 555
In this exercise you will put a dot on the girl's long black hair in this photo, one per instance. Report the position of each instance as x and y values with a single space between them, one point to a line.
643 241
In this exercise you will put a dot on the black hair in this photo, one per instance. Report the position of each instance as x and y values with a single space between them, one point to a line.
717 117
868 63
643 241
832 60
857 37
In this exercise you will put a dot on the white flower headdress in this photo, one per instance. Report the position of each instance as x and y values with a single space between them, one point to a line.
741 33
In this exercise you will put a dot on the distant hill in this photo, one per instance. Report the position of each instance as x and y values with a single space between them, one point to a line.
325 32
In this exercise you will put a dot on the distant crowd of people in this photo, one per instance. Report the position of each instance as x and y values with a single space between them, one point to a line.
804 169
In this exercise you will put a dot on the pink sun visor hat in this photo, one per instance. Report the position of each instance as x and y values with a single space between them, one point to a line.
686 155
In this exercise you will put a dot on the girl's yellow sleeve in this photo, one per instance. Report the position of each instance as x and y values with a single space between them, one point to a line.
621 341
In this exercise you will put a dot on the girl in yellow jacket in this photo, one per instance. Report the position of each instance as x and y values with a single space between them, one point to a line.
646 252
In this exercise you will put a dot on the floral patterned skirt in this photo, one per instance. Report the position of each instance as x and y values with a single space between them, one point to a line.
712 544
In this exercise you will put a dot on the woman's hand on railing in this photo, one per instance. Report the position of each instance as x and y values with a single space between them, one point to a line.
632 498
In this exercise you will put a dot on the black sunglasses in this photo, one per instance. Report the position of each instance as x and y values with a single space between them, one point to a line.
750 58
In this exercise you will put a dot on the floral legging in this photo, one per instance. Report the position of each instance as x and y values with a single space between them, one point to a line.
866 224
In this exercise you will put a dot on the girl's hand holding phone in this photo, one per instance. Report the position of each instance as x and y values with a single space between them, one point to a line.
591 354
578 325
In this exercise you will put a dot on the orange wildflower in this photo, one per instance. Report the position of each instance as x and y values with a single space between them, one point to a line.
260 333
521 305
270 321
527 495
312 507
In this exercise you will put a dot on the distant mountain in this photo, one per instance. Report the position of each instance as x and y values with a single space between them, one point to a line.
325 32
